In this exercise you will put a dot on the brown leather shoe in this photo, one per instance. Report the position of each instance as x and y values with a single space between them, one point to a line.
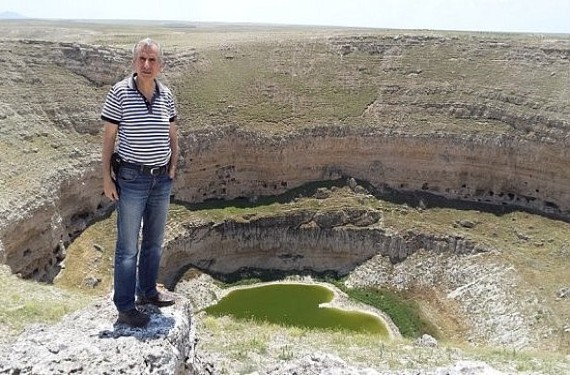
133 318
160 300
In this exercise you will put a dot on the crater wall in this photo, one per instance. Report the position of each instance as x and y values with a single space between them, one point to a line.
229 163
313 241
501 170
34 241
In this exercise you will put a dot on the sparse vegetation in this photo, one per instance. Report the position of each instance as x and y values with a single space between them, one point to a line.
404 313
229 336
26 302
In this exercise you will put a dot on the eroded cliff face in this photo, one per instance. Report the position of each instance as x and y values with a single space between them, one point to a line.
228 163
34 242
315 241
501 170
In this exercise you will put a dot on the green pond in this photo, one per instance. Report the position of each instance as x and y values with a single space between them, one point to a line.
294 305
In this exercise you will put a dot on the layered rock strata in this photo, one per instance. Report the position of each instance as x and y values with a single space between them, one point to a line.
227 163
33 242
50 189
326 241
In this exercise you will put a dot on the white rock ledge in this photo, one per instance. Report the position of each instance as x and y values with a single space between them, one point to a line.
90 341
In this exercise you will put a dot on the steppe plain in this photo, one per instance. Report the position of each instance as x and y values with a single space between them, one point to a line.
508 306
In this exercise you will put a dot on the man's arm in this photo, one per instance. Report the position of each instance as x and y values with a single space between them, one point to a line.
109 136
173 132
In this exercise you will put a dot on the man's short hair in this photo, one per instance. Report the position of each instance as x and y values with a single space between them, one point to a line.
147 42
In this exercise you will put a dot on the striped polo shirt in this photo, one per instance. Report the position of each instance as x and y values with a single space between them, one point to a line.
143 136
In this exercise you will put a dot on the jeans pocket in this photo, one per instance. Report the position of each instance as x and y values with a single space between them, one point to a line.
128 174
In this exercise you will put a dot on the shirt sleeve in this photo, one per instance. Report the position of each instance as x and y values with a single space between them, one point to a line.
112 109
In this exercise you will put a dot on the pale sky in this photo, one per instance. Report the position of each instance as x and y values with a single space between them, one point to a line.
536 16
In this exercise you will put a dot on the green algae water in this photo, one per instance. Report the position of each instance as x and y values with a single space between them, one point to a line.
295 305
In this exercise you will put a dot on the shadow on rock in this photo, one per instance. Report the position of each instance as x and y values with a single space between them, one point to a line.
158 327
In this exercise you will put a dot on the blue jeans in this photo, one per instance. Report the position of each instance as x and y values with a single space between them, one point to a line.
143 199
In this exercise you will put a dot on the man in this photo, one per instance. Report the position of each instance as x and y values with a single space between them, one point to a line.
141 112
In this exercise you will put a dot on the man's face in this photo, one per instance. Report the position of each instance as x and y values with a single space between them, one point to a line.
147 63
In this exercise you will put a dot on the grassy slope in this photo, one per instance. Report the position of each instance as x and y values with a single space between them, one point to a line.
26 302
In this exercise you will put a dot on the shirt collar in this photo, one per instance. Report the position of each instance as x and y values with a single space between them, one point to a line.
133 84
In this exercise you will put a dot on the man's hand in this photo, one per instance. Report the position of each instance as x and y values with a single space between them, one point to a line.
110 189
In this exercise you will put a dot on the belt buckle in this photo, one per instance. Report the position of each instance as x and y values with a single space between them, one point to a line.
154 171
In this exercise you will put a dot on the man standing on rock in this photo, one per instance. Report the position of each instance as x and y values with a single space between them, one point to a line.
141 111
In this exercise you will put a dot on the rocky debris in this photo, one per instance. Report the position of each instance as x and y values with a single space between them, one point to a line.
319 363
484 288
364 217
201 290
90 341
564 292
466 223
91 281
330 219
464 368
322 193
522 236
427 341
323 363
356 188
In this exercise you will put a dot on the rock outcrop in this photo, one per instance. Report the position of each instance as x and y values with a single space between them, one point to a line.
319 241
89 342
33 240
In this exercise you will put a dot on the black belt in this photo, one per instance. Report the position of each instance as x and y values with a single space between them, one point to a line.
152 170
